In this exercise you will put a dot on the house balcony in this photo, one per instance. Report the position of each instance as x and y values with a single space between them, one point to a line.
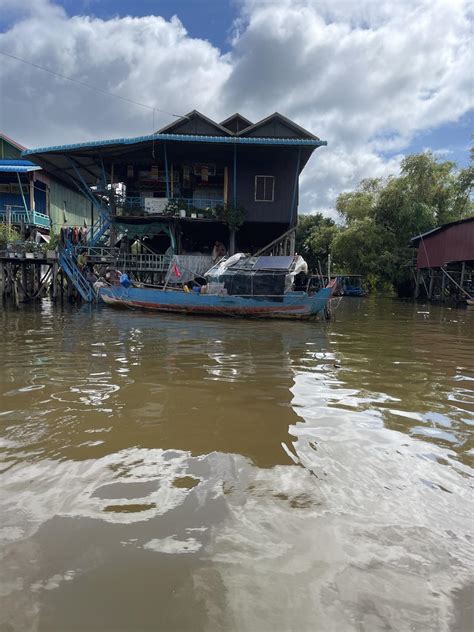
140 206
17 215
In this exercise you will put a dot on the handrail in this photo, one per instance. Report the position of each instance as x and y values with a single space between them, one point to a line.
275 241
138 203
26 216
99 228
157 263
82 285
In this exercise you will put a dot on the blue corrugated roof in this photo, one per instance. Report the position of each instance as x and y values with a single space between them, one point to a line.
16 162
232 140
17 166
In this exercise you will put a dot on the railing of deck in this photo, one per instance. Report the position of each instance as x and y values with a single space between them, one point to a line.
104 253
136 205
18 215
144 262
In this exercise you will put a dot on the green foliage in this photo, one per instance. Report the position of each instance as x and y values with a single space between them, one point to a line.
173 207
381 216
233 216
314 236
8 234
54 240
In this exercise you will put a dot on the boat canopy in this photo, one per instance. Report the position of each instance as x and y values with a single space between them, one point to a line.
255 276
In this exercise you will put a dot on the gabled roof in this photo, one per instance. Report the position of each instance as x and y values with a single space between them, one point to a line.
195 123
277 120
236 123
428 233
12 142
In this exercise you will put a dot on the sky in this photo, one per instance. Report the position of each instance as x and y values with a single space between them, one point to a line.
376 79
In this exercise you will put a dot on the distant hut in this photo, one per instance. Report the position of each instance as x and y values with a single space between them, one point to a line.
445 261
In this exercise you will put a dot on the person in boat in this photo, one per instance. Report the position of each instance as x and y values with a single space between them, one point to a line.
112 276
91 275
218 251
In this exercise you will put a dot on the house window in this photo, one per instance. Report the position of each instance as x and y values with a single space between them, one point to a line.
264 188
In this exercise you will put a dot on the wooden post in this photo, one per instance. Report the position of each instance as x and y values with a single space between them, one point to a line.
54 282
235 176
32 192
417 283
2 278
15 294
292 243
463 269
226 184
430 289
38 278
61 286
443 285
166 171
231 241
24 280
10 279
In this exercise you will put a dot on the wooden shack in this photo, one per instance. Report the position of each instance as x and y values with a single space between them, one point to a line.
445 261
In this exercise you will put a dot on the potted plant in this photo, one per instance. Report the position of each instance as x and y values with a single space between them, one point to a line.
52 246
30 249
8 235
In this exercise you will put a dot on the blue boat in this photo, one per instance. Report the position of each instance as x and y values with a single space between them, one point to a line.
259 287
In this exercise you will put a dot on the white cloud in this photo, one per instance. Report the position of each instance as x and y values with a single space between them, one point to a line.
366 76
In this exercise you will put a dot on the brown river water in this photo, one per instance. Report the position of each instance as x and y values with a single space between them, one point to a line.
170 473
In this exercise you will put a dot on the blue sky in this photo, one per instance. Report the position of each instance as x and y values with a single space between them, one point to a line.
377 79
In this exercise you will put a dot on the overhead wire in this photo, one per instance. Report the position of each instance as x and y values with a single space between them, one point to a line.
88 85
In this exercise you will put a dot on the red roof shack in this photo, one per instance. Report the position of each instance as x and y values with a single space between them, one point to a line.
449 243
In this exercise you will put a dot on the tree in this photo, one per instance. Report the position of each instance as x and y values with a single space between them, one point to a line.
359 204
314 236
382 215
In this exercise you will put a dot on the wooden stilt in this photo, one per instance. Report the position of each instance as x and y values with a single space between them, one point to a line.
2 279
430 289
417 283
463 270
54 282
24 281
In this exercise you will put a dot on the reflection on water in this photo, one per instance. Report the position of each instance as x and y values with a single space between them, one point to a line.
197 474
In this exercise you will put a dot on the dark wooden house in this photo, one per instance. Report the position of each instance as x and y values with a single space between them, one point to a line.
180 185
445 260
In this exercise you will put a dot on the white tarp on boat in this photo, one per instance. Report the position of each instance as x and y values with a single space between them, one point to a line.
184 268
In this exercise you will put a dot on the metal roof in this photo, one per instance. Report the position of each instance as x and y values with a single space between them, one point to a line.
17 166
442 227
232 140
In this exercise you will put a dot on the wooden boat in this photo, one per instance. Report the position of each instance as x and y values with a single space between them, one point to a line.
290 305
231 277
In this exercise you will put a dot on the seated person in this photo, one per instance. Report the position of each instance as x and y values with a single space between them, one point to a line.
218 251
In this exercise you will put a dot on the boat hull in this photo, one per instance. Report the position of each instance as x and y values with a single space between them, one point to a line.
294 305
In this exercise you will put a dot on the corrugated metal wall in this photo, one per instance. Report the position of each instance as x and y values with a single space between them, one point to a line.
454 243
77 207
